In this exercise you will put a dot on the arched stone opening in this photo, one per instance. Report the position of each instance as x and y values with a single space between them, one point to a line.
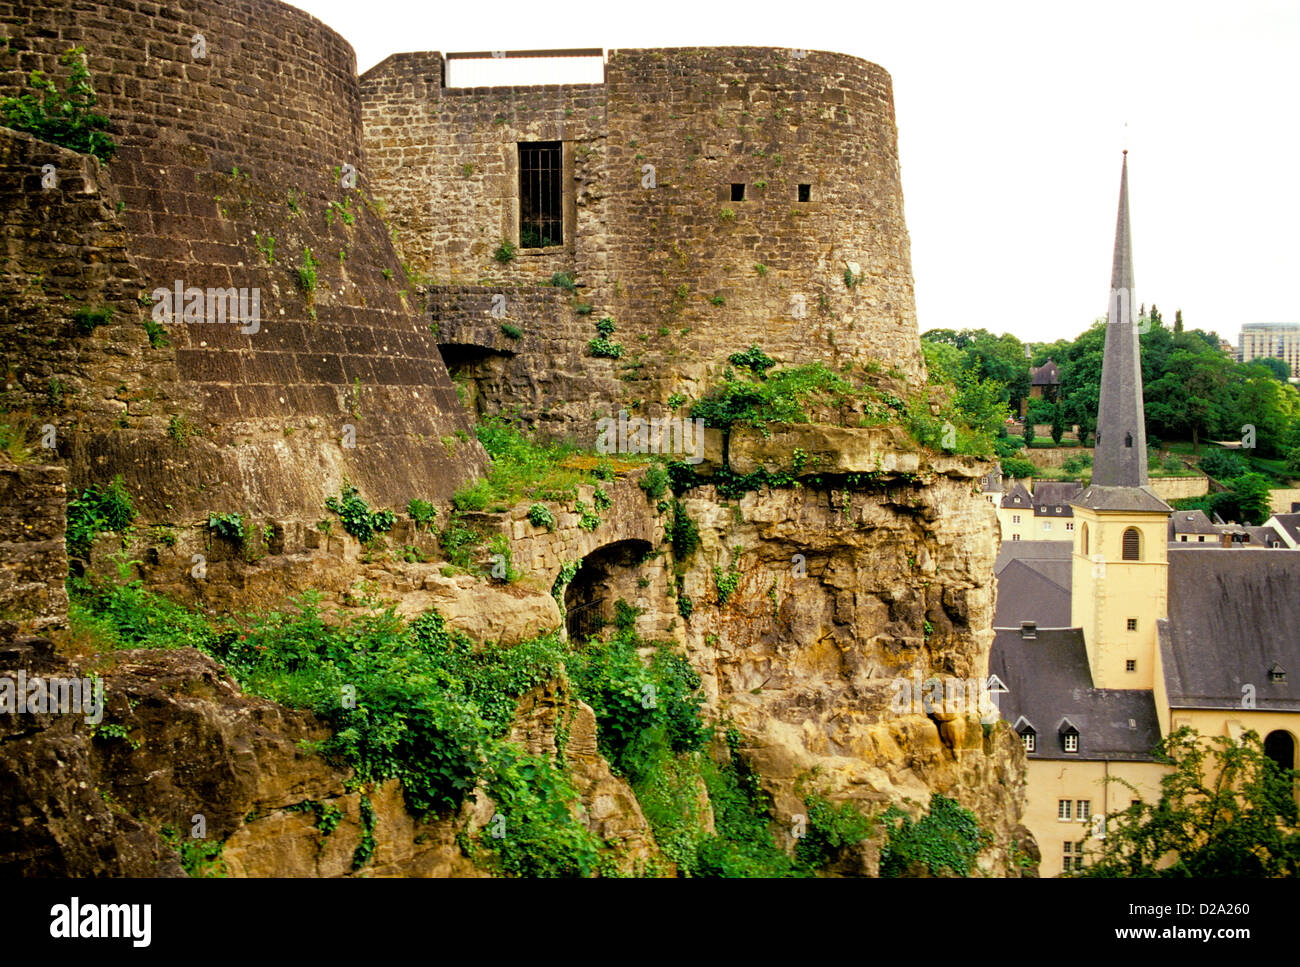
606 574
1280 747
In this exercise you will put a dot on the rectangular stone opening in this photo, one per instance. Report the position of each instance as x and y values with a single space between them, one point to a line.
805 192
541 194
737 192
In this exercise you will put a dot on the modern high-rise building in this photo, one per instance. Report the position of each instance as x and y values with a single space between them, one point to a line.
1281 340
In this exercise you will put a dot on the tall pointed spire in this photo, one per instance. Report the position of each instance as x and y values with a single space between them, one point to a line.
1120 459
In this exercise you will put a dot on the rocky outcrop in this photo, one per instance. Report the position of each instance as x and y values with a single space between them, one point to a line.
179 746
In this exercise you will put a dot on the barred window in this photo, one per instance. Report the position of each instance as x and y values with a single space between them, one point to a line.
541 194
1132 545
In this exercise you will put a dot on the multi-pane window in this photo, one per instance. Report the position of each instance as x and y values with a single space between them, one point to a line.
1015 537
1064 808
541 195
1083 809
1029 741
1071 742
1131 665
1069 525
1132 624
1015 518
1047 525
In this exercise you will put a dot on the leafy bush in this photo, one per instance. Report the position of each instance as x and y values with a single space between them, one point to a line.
563 280
1222 464
1018 467
100 508
228 526
358 519
588 519
87 320
514 332
947 839
753 359
655 481
539 515
458 541
1293 462
473 496
603 348
605 326
683 533
422 512
64 118
831 827
505 252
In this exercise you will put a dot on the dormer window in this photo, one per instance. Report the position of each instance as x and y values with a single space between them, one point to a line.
1277 674
1028 739
1028 630
1028 734
1069 736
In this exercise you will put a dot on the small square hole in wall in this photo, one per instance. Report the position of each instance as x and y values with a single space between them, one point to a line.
737 192
1131 665
805 192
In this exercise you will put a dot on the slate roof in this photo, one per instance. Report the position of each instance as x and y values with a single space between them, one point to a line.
1048 680
1231 617
1052 559
1097 497
1265 537
1025 593
1052 499
1192 522
1120 456
1045 375
1289 523
1017 497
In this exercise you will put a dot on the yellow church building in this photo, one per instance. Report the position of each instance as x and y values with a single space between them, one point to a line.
1158 636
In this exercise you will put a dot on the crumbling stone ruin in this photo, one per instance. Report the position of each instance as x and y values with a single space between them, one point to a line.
697 202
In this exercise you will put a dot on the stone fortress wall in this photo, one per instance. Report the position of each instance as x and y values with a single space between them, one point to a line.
218 154
688 275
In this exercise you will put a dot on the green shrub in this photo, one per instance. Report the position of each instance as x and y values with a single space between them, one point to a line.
831 828
1222 464
100 508
605 326
422 512
563 280
726 583
947 839
87 320
227 526
473 496
588 519
505 252
603 348
683 533
655 481
62 117
1018 467
357 517
307 271
156 333
459 541
753 359
514 332
539 515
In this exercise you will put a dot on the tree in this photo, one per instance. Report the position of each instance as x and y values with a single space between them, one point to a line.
1222 464
1225 810
1293 462
1058 423
1251 492
1178 320
1279 367
1029 433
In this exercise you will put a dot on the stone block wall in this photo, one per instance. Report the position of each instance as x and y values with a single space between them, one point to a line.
688 275
33 561
218 156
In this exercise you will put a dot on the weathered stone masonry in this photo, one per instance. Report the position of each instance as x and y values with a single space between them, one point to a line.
688 275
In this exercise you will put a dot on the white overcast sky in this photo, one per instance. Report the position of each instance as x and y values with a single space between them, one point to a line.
1011 120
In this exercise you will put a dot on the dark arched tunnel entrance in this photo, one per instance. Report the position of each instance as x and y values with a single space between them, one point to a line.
605 575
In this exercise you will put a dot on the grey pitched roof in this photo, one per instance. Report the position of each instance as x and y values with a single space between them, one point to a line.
1231 617
1049 496
1045 375
1025 593
1017 496
1048 680
1265 537
1191 522
1120 457
1054 560
1289 523
1097 497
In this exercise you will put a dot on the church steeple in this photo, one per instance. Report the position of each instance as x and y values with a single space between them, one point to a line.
1120 459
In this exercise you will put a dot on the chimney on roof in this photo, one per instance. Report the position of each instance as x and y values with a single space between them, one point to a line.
1028 630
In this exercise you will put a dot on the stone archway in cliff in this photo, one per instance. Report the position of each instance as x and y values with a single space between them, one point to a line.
607 574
